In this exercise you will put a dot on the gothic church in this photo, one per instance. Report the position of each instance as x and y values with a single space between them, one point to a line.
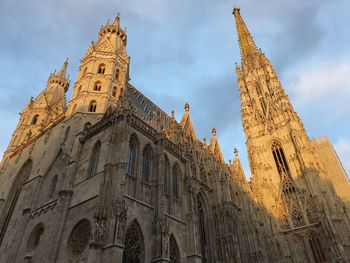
110 177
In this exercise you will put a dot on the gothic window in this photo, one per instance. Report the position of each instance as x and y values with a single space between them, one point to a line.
117 72
134 246
174 251
79 237
84 72
35 237
78 91
94 159
202 173
114 91
35 119
92 106
130 167
279 157
298 248
14 193
52 186
202 224
66 133
176 182
146 164
97 86
297 218
261 98
166 176
316 248
101 69
311 211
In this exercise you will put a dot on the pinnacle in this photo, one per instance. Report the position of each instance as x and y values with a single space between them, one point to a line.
63 71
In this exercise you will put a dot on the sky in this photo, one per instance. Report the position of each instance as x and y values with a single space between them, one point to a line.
185 51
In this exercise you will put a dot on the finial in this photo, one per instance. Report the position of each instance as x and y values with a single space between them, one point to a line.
108 21
205 141
235 151
213 132
173 114
187 107
229 162
235 8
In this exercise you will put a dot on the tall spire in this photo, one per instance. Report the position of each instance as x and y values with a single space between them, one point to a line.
246 42
63 70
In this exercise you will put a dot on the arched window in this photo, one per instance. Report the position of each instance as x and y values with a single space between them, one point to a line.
297 219
117 72
101 69
95 155
114 91
92 106
52 187
79 238
166 176
97 86
66 133
174 251
130 168
35 237
176 182
13 195
261 98
202 224
78 91
146 164
316 248
35 119
134 250
84 72
279 157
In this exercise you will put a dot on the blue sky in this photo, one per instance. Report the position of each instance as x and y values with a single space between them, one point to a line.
185 51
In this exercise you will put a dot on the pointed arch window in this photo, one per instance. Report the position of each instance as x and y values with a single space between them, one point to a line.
166 176
202 224
146 164
52 187
176 182
117 74
101 69
174 251
279 157
316 248
78 91
97 86
84 72
35 119
114 92
261 98
92 106
134 248
95 155
10 205
130 168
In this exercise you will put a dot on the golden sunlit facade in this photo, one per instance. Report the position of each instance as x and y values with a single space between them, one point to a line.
110 177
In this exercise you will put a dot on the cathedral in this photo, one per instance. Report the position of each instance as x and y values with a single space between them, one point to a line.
111 177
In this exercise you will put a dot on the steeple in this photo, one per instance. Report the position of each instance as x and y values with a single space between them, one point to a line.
246 42
63 70
103 73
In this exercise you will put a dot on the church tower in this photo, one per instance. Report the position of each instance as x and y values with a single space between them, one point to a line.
42 112
288 178
103 72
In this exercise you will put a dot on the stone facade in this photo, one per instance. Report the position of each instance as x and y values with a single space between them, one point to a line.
113 178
